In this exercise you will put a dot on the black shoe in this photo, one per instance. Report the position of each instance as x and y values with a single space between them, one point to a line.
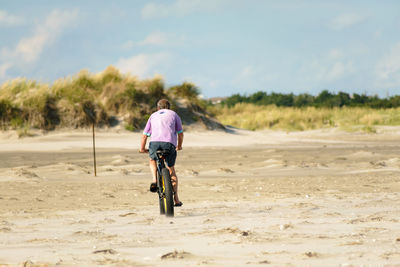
153 187
178 204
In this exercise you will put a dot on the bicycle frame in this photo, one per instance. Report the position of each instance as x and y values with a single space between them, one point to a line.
160 166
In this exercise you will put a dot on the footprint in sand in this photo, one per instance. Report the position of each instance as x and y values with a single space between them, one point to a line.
311 254
105 251
107 220
393 162
5 230
226 170
285 226
176 255
362 154
137 170
99 235
191 172
29 263
119 160
378 164
124 172
80 222
22 172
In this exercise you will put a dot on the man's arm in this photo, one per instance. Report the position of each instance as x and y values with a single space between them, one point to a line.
180 141
143 142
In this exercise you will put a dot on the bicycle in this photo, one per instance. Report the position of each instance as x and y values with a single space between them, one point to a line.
164 185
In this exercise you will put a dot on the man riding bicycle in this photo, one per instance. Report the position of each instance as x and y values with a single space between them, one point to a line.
165 128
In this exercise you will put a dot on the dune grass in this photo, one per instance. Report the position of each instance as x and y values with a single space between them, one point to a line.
74 102
65 103
110 96
255 117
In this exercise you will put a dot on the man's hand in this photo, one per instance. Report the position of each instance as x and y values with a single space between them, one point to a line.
143 141
180 141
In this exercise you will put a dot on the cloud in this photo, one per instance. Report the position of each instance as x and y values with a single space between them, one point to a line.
247 71
327 68
347 20
4 68
180 8
144 65
9 20
157 39
29 49
387 70
250 77
128 44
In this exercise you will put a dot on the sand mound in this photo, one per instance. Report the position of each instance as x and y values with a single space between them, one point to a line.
271 163
362 154
194 117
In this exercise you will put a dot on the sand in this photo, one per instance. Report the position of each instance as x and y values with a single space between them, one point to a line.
316 198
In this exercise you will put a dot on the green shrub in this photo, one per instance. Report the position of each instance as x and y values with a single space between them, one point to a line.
129 127
7 113
17 123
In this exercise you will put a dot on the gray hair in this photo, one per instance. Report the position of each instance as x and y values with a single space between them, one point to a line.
163 104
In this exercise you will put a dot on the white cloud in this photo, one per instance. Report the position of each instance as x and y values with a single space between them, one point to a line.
331 71
388 68
29 49
128 44
245 76
329 68
3 69
144 65
9 20
254 76
157 39
180 8
347 20
334 54
246 72
45 34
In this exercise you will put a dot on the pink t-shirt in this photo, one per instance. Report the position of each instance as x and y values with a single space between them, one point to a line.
163 126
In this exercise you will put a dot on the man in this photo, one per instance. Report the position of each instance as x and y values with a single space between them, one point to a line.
165 128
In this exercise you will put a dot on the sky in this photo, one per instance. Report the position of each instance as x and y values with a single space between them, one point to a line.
224 47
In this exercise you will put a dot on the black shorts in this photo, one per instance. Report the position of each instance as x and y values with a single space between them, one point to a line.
170 159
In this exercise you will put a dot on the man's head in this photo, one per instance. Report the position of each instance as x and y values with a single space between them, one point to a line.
163 104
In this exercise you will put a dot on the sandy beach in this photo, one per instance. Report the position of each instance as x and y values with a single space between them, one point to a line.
316 198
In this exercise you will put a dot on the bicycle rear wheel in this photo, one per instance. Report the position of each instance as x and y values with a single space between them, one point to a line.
168 196
160 191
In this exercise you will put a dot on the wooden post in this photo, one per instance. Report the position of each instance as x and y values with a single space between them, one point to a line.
89 109
94 151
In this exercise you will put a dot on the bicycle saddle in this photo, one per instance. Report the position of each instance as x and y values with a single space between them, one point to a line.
162 152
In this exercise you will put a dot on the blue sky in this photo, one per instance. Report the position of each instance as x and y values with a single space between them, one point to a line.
223 46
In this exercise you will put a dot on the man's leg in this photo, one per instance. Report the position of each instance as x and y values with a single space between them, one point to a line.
174 180
153 169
